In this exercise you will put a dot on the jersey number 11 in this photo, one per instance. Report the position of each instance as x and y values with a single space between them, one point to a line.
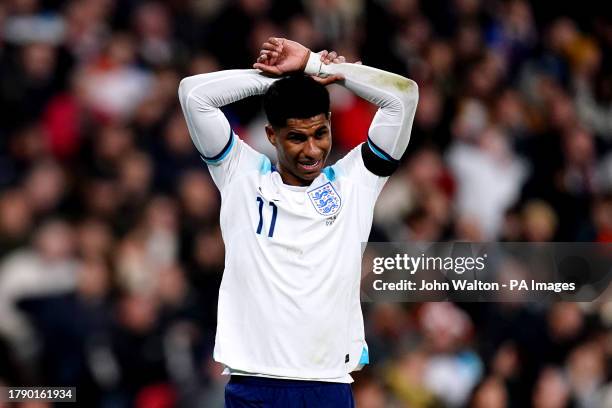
272 223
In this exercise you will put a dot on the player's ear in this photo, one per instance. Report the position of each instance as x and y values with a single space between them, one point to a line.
271 134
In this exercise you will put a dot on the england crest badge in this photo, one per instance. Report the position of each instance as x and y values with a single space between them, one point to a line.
325 199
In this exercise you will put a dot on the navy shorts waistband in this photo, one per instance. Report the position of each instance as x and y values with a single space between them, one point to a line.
279 382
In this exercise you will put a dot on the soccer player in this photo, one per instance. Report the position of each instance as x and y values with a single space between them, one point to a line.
290 327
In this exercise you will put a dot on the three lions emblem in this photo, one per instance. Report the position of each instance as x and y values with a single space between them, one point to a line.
325 199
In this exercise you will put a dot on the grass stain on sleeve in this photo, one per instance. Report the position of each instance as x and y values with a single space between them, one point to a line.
398 82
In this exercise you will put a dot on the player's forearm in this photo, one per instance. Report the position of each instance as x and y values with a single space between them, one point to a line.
396 96
202 95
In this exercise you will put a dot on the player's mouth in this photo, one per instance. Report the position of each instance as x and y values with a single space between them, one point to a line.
309 165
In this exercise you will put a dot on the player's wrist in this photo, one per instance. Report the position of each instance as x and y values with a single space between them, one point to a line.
314 65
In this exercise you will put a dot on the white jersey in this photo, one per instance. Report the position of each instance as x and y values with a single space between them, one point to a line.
289 299
289 302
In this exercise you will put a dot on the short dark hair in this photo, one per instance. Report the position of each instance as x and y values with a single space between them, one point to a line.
295 97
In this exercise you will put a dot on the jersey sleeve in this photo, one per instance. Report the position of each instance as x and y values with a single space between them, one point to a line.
396 98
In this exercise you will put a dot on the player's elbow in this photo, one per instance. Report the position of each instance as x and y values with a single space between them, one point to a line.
405 94
193 93
184 88
408 92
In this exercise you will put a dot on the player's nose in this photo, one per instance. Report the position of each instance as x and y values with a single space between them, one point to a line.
312 148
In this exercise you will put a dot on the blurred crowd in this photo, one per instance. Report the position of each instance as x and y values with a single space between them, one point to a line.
110 250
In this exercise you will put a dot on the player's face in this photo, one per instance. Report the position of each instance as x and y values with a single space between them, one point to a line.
302 148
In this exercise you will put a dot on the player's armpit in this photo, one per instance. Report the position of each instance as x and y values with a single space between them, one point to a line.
377 161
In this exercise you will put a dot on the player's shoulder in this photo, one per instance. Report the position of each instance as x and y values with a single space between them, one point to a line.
348 162
363 161
239 161
358 167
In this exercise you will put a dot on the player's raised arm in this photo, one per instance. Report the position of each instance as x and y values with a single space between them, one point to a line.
395 96
202 95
